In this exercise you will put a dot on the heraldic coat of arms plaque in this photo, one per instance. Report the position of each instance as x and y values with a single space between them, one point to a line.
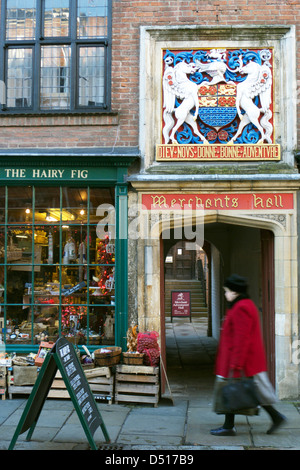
217 105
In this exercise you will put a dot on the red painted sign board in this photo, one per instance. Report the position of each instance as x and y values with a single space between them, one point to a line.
221 201
180 304
243 152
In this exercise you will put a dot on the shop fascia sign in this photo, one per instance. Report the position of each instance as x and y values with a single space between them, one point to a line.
220 201
218 105
45 174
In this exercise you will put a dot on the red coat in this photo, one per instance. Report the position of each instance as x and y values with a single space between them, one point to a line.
241 345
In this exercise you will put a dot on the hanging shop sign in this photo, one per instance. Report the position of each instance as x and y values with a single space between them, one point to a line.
221 201
218 105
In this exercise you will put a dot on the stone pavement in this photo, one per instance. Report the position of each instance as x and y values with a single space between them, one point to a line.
180 423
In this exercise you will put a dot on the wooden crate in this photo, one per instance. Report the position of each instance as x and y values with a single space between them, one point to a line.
3 382
137 384
100 380
20 386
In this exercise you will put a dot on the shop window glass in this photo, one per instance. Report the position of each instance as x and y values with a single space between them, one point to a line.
2 204
75 205
58 268
19 207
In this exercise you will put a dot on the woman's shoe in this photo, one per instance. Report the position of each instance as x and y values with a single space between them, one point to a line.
223 432
279 421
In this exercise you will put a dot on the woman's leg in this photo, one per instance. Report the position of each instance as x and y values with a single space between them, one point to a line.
227 429
229 421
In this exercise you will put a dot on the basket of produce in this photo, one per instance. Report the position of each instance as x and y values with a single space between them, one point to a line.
109 356
133 358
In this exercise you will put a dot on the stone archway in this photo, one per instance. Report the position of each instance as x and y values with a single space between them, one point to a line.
285 296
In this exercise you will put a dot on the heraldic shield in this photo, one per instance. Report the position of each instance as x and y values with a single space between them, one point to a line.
217 107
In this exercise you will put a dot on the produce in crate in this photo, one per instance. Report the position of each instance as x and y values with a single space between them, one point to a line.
147 343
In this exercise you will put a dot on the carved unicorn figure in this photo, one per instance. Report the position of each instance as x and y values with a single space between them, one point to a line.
258 83
176 84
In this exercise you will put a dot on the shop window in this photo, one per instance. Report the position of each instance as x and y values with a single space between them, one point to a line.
57 265
56 55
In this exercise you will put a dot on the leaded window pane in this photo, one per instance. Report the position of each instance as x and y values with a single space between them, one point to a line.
56 18
20 19
92 18
91 76
19 77
55 77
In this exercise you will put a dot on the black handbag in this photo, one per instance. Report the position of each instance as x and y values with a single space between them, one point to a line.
239 394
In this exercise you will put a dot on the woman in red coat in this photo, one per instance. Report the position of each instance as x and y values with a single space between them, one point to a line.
241 350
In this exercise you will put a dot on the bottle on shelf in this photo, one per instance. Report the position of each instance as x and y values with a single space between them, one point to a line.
69 254
50 248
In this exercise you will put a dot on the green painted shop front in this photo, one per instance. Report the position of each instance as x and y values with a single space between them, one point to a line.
63 250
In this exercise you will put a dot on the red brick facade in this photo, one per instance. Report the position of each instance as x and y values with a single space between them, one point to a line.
121 126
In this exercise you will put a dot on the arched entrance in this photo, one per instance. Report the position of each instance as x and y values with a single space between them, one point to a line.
229 247
252 228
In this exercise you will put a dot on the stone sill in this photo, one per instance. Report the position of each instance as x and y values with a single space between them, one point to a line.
221 169
65 119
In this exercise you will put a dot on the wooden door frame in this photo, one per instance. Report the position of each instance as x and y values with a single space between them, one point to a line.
268 299
162 316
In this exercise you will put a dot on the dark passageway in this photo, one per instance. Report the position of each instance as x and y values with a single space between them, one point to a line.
190 358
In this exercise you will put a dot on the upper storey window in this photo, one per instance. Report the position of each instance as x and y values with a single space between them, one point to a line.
56 55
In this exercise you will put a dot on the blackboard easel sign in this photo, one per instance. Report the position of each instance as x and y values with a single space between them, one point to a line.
62 357
181 304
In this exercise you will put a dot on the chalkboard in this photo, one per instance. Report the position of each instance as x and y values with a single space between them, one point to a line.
79 387
180 303
62 357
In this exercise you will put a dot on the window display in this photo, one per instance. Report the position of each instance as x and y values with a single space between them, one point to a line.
57 264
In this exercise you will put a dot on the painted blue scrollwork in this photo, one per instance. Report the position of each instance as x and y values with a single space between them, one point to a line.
186 136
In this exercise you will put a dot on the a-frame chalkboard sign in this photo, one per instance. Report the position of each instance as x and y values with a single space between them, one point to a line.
62 357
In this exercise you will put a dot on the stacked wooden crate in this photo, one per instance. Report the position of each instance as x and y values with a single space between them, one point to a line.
21 379
137 384
3 382
100 380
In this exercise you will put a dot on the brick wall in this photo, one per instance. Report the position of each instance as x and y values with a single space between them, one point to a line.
120 128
